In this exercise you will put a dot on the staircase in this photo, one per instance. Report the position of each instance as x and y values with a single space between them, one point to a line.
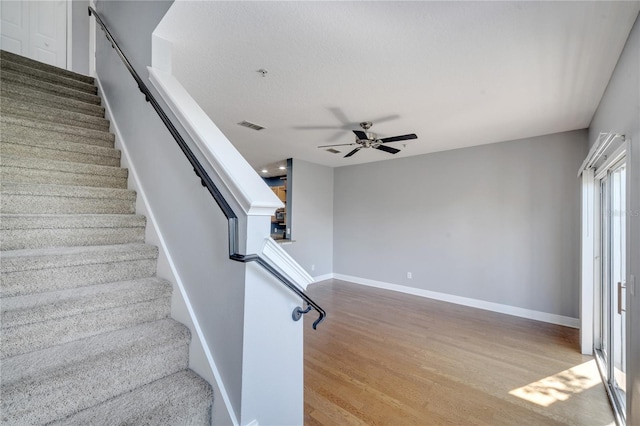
86 334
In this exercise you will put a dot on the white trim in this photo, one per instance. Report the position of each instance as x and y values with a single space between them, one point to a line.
587 281
598 148
135 183
611 160
69 47
92 43
282 261
324 277
466 301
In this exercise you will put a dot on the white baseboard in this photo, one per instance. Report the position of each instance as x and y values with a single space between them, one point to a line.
465 301
322 278
143 207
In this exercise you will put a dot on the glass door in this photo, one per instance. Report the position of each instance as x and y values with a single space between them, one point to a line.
611 345
617 281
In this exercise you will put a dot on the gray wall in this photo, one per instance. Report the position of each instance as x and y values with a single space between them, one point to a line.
496 222
311 187
619 111
191 223
80 36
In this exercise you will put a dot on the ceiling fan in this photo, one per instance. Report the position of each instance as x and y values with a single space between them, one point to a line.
366 139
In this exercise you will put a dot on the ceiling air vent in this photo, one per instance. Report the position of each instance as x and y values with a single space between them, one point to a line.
333 151
250 125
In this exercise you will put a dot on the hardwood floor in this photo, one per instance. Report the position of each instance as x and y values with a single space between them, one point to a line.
386 358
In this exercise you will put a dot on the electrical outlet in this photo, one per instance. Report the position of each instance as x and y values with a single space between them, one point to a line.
409 275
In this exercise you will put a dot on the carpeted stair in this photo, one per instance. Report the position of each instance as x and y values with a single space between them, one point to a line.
86 337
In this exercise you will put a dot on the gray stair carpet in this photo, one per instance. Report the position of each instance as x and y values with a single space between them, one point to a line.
86 336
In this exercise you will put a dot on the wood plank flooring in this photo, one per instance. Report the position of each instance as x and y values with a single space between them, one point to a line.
386 358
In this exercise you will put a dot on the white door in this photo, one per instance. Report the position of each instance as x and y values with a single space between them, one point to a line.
35 29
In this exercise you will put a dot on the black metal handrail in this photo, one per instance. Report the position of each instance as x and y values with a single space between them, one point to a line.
232 218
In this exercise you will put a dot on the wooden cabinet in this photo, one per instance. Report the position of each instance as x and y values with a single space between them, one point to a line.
281 192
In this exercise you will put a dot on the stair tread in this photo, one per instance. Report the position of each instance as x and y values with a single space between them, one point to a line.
42 258
54 78
58 381
60 145
10 160
49 190
31 308
14 108
46 88
163 401
8 56
52 111
29 124
24 93
38 221
48 361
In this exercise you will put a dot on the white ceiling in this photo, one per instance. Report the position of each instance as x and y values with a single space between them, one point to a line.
457 74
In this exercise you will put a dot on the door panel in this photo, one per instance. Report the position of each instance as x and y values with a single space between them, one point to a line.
14 23
35 29
48 32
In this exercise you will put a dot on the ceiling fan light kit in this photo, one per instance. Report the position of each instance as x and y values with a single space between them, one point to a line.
367 139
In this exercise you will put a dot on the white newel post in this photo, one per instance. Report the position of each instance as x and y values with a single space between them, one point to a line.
272 366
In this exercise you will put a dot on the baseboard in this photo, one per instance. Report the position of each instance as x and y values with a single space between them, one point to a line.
322 278
154 236
465 301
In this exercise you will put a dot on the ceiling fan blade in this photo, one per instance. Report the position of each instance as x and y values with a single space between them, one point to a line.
387 149
353 152
338 144
316 127
387 118
399 138
360 134
340 115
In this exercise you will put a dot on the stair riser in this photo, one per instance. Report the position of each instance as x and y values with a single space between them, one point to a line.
55 305
50 153
9 110
154 404
12 57
48 88
18 174
48 77
79 118
92 137
86 384
41 238
30 337
25 94
37 204
58 278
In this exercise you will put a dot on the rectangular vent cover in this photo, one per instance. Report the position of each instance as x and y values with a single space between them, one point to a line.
333 151
250 125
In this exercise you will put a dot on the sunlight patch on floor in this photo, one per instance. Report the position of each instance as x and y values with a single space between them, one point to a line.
560 386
